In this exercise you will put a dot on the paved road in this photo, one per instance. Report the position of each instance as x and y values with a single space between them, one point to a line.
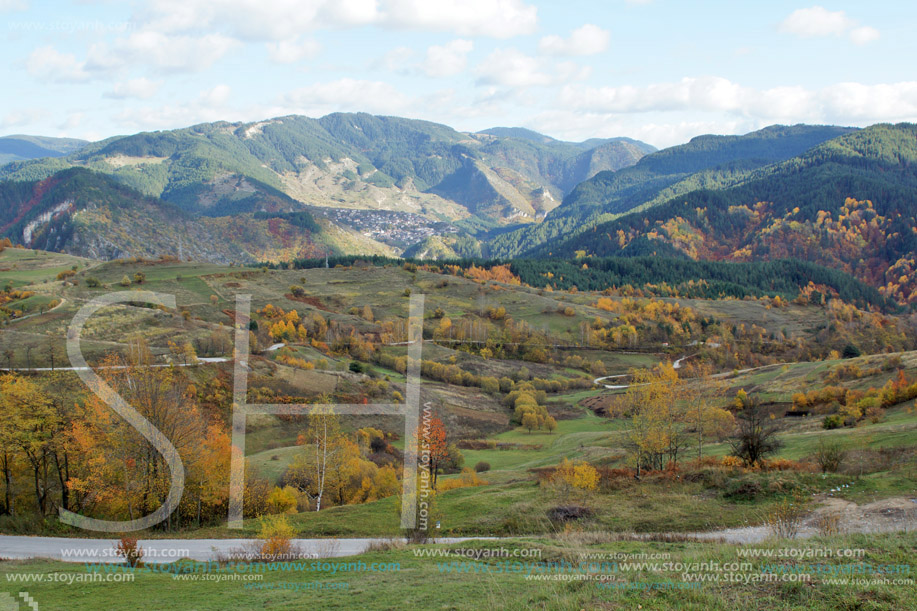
169 550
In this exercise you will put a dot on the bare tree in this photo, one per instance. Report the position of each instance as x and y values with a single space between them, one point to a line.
756 436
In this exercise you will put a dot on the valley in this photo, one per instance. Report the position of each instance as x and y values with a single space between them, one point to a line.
703 372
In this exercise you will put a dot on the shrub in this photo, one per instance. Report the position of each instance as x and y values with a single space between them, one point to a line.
828 456
276 534
828 524
282 500
781 464
579 475
785 518
130 550
743 490
93 283
851 351
125 281
482 467
832 422
468 479
567 513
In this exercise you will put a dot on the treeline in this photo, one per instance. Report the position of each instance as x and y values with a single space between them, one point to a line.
653 276
670 277
301 219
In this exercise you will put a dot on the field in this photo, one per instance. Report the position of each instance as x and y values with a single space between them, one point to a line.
517 495
567 573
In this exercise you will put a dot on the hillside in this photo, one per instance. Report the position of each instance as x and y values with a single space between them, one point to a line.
847 203
348 161
704 162
85 213
20 147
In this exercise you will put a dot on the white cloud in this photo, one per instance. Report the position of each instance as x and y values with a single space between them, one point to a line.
512 68
844 103
166 53
172 116
276 20
346 95
50 64
817 22
864 35
587 40
25 116
13 5
72 122
140 88
396 60
293 50
491 18
176 53
216 97
449 59
576 127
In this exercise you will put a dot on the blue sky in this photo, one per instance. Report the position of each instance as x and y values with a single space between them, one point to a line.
658 70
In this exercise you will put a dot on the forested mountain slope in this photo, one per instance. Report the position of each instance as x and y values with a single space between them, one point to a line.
849 203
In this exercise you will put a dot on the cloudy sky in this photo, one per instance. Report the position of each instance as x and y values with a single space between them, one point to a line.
658 70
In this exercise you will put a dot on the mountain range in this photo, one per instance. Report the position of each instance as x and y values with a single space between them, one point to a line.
20 148
294 187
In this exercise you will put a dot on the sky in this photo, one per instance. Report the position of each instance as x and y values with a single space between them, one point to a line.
661 71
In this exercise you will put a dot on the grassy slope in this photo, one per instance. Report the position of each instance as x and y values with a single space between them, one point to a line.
511 491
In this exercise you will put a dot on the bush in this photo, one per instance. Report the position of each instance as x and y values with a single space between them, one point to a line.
743 490
276 534
832 422
93 283
130 550
282 500
356 367
468 479
851 352
732 461
828 456
579 475
567 513
482 467
785 518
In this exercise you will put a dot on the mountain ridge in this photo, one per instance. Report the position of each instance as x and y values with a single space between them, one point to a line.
349 160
